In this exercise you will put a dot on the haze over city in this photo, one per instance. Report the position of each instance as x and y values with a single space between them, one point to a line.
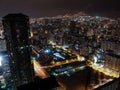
42 8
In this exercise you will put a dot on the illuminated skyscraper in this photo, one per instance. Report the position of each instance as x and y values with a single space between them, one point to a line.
16 27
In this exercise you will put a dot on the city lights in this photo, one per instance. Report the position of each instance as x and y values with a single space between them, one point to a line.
83 50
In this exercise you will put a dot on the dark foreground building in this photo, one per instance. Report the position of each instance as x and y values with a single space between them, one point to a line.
49 83
16 27
113 85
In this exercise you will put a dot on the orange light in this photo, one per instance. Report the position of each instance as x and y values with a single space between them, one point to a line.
39 70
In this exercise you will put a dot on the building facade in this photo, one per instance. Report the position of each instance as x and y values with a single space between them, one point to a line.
16 27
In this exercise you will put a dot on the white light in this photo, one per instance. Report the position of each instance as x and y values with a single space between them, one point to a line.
95 59
100 66
82 58
82 67
0 61
65 46
47 51
58 55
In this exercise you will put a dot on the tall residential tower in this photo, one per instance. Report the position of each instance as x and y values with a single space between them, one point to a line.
16 27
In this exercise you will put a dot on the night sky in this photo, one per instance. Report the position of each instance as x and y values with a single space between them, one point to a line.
42 8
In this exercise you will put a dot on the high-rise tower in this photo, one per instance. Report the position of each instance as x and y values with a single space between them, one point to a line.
16 27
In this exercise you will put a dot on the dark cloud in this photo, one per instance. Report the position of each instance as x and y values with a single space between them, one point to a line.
39 8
